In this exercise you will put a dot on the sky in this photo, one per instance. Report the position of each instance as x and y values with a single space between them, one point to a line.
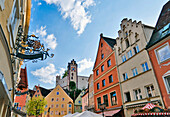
72 28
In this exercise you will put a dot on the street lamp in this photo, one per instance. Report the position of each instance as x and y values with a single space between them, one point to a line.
102 108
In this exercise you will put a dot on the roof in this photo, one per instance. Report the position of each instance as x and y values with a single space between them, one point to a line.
111 42
162 28
44 91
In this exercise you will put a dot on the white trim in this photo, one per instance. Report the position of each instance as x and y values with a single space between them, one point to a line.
165 82
157 53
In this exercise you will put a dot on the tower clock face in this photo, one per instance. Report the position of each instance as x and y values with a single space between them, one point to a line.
73 69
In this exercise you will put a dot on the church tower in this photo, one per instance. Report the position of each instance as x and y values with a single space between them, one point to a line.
72 72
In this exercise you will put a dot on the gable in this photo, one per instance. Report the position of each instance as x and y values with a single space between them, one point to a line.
62 93
106 50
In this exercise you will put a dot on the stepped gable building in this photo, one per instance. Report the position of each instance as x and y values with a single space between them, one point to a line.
105 78
72 70
136 75
159 52
20 100
59 103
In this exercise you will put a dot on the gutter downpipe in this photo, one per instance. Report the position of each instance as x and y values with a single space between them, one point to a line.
114 49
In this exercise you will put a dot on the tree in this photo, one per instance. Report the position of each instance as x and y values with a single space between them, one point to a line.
65 74
36 106
72 85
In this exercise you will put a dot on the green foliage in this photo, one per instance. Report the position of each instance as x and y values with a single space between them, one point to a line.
74 94
72 85
35 106
65 74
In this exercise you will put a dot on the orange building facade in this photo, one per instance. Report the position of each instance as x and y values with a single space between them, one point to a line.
159 52
106 83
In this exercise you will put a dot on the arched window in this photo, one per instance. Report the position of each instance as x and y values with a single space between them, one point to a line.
127 43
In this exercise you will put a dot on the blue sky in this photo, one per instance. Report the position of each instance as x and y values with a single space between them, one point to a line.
71 29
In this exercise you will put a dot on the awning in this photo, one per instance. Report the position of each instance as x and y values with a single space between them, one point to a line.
23 114
110 113
165 113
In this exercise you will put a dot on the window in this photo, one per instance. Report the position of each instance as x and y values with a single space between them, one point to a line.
110 79
81 107
69 112
137 94
145 67
56 112
101 44
57 93
72 74
127 43
97 72
103 83
62 99
69 105
105 100
127 97
134 71
129 54
109 63
167 83
57 99
37 90
99 101
52 106
46 106
98 86
102 68
52 99
51 112
113 98
136 49
79 101
102 56
150 91
35 95
45 112
123 58
62 105
71 77
62 112
38 94
125 76
56 105
163 53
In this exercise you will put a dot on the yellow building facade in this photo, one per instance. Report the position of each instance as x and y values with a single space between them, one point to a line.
58 103
12 14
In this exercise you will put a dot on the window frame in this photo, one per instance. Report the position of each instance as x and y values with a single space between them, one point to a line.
98 85
97 72
129 54
157 55
153 93
116 102
126 76
145 66
135 71
103 82
98 102
126 99
111 76
137 95
102 56
106 100
165 76
102 68
109 63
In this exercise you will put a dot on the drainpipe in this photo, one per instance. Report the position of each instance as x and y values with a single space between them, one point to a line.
114 49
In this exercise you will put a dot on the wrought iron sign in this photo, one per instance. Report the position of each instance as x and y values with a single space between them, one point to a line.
30 48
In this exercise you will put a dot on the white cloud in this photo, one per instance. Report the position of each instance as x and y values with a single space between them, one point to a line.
46 74
84 64
76 10
49 39
42 31
39 3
